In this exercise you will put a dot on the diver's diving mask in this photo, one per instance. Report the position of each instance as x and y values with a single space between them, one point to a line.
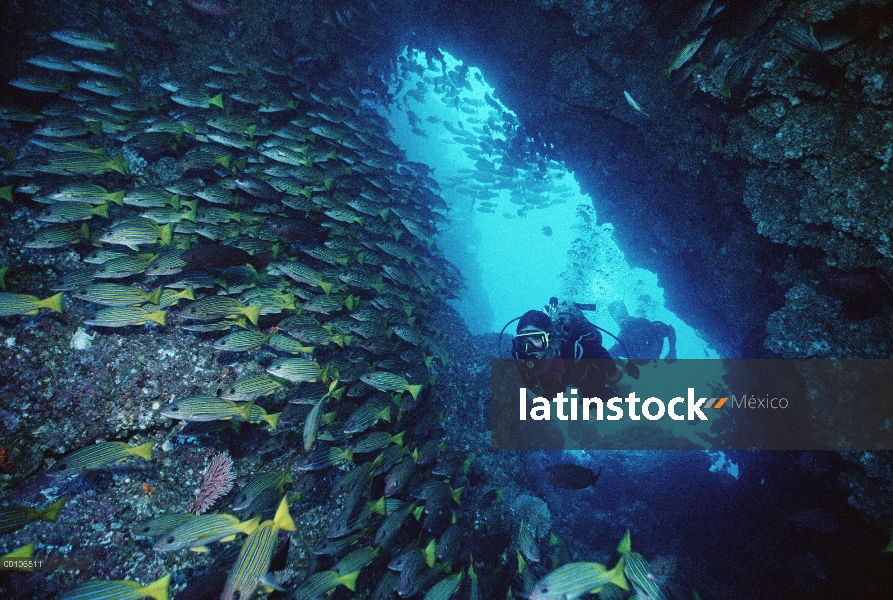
533 341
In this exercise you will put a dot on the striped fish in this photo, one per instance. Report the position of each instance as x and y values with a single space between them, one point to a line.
271 298
233 124
399 476
73 280
356 560
386 587
303 274
24 304
527 543
311 425
52 63
172 298
206 408
151 197
133 103
323 304
103 87
82 39
377 440
528 582
429 452
638 571
362 280
609 591
233 141
323 458
320 583
69 212
334 547
296 370
217 214
136 232
241 341
167 262
39 84
573 580
684 55
13 518
409 334
448 544
208 157
410 566
330 256
350 521
264 504
103 255
251 387
162 524
204 529
100 68
388 382
101 589
268 480
643 580
163 215
367 416
197 99
283 343
257 413
196 279
217 307
284 155
216 194
446 587
112 294
356 478
99 455
389 457
392 523
257 553
344 215
397 251
124 266
126 316
83 163
474 592
86 192
65 127
213 327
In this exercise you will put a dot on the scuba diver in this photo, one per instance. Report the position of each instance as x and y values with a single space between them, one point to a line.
558 347
642 340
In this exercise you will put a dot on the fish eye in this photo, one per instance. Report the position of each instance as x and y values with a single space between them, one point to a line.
171 539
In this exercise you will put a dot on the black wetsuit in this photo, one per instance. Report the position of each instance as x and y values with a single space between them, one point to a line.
644 340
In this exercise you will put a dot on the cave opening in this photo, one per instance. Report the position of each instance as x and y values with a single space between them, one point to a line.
521 229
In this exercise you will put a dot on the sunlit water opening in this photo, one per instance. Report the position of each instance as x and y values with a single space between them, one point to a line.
520 229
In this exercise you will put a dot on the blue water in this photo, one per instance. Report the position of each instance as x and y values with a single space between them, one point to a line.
517 256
